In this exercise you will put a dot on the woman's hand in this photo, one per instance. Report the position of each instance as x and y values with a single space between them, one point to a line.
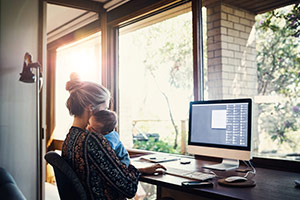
156 168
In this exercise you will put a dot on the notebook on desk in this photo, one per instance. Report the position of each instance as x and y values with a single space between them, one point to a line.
156 158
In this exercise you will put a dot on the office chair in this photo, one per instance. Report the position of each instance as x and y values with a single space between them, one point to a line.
68 184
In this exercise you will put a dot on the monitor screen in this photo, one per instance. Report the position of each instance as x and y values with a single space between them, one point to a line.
220 124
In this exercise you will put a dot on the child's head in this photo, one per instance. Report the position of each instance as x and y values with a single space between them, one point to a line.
103 121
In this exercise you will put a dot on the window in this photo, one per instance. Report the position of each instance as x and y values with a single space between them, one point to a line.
278 68
257 56
84 58
156 80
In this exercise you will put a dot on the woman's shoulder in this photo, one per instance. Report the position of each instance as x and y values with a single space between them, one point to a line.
99 142
86 140
76 135
86 135
97 138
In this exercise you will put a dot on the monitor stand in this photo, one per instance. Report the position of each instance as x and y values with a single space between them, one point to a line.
227 164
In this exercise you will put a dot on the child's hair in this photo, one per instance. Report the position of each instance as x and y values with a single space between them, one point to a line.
108 118
83 94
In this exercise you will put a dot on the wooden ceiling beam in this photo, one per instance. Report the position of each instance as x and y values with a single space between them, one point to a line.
275 5
259 6
136 8
80 4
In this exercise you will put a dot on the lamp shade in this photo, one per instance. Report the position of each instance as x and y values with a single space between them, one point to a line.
27 76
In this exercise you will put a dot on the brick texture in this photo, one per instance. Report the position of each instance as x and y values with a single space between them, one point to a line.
231 52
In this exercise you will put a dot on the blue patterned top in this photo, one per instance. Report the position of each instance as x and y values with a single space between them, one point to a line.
100 171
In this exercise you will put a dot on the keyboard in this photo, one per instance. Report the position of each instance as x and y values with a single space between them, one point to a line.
201 176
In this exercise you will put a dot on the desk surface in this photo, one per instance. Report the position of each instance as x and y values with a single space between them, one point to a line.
270 184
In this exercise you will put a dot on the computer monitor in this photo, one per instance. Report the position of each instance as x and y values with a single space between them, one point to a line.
221 128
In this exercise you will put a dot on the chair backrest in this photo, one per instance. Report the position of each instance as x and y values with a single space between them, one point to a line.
68 184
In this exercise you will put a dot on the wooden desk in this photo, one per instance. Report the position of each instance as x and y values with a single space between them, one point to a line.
270 184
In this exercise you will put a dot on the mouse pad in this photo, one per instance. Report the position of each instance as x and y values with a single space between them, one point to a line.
248 183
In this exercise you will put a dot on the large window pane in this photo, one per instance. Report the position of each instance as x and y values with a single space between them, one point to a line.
278 65
156 80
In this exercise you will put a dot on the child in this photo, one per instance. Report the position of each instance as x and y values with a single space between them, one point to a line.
104 122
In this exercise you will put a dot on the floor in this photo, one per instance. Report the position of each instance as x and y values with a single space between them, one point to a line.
51 192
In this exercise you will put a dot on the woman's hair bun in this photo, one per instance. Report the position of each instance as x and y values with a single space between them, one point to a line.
74 82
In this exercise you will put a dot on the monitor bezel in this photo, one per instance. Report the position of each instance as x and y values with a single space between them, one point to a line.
219 146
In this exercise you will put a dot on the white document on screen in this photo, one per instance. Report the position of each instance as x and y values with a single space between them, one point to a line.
218 119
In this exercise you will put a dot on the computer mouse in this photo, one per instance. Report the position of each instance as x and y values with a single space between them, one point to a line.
184 161
159 172
234 179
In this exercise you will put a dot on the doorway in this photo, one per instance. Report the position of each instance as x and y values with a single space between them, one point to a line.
73 45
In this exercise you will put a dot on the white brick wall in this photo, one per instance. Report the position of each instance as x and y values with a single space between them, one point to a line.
230 57
227 9
233 18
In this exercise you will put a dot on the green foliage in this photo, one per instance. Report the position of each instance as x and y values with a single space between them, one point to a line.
159 146
278 61
278 57
293 20
169 48
279 120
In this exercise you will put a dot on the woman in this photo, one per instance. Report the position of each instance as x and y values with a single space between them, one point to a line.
89 154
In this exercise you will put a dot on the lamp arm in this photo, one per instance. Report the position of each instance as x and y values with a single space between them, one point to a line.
28 65
34 65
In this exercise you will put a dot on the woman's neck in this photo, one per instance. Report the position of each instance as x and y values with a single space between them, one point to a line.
81 121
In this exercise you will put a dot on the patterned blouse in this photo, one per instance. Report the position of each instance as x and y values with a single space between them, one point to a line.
100 171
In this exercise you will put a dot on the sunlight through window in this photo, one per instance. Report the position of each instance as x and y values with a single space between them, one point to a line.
84 58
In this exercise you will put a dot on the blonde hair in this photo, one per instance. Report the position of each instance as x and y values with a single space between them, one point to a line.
83 94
